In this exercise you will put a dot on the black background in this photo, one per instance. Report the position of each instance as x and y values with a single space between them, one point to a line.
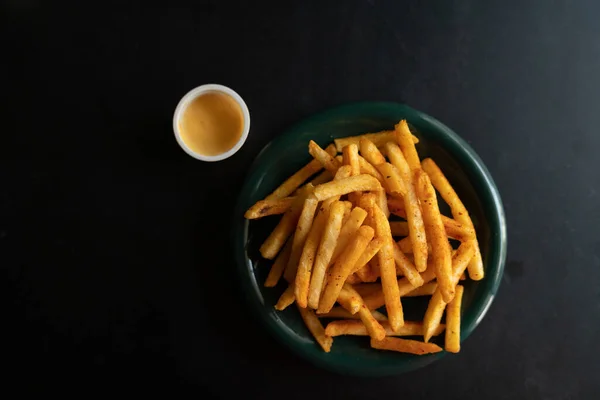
115 268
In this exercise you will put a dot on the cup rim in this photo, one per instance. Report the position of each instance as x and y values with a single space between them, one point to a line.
194 93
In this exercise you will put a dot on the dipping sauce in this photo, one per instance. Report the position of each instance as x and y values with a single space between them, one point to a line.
211 124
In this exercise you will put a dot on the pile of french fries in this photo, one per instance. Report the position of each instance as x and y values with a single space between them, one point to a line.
335 243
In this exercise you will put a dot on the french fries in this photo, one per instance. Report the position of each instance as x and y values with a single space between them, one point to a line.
334 243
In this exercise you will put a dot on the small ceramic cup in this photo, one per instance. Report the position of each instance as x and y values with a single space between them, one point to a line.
188 98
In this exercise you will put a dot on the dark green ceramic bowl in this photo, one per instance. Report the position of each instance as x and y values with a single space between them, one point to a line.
289 152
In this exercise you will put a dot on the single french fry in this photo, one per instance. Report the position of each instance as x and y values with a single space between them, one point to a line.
393 183
379 138
305 222
452 342
370 152
350 157
316 329
460 260
349 229
358 328
382 202
347 185
365 289
458 231
286 299
369 253
387 266
337 274
433 315
340 312
279 265
286 225
349 299
414 216
405 346
407 268
404 139
294 181
399 228
323 157
263 208
426 289
459 212
440 247
366 168
325 251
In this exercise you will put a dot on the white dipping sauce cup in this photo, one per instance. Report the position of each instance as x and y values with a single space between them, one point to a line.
188 98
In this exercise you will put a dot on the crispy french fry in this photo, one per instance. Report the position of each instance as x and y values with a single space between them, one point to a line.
405 346
365 289
350 157
370 152
347 185
279 265
461 258
323 157
433 315
286 299
382 202
338 273
458 231
440 247
349 299
340 312
294 181
325 251
263 208
349 228
393 183
286 226
316 329
416 226
407 268
385 256
399 228
452 343
305 223
369 253
426 290
404 139
379 138
367 169
358 328
459 212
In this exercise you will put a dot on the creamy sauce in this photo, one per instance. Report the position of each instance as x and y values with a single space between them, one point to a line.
211 124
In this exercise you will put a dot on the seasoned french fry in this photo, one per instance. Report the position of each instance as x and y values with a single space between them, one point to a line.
426 290
305 222
379 138
458 231
350 157
452 343
279 265
338 273
416 226
385 256
404 139
347 185
393 183
263 208
370 152
440 247
286 299
316 329
325 251
358 328
367 169
461 258
405 346
286 225
374 328
399 228
349 229
407 268
459 212
340 312
349 299
294 181
369 253
382 202
323 157
433 315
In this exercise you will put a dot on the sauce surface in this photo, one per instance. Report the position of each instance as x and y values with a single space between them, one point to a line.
211 124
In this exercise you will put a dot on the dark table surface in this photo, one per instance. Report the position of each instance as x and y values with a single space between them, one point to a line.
115 266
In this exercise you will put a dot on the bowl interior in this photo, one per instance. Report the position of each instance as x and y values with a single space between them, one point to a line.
289 152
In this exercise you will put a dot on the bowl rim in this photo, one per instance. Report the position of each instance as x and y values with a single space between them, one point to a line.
471 161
